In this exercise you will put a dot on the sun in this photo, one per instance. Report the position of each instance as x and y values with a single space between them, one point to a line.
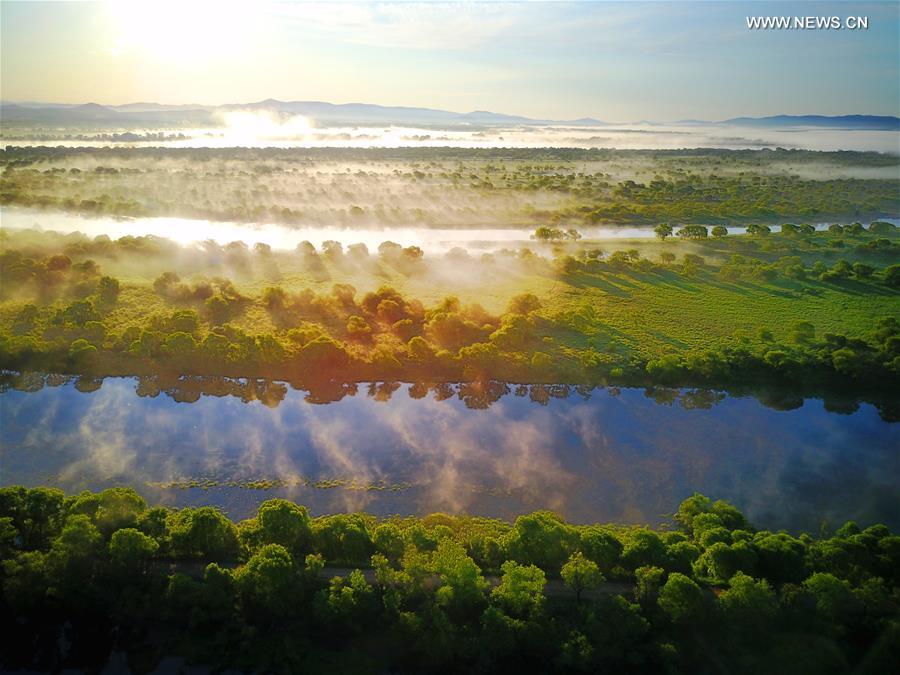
183 32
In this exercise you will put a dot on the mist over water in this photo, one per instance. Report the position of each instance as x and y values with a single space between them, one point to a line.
260 129
602 455
433 240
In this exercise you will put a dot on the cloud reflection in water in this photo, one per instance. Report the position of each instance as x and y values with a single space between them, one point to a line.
617 456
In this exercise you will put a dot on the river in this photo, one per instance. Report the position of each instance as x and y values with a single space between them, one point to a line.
601 455
432 240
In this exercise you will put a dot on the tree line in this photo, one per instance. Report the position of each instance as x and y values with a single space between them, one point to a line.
91 573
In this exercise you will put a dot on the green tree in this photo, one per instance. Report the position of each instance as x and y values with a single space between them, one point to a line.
644 547
892 276
748 604
690 508
663 230
521 589
803 332
347 603
131 549
693 232
862 271
202 532
781 558
832 595
267 583
542 539
285 523
600 545
462 585
581 574
681 599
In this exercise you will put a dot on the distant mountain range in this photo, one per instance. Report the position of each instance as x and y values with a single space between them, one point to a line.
366 113
861 122
320 111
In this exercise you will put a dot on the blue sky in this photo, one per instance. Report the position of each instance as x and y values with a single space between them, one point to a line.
618 61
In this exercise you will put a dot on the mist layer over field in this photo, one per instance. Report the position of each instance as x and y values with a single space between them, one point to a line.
330 193
264 129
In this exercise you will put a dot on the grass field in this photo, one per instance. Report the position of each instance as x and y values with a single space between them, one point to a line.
709 310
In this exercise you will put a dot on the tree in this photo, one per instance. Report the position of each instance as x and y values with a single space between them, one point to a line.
719 231
663 230
542 539
722 561
388 540
644 547
24 582
781 557
72 561
80 351
833 596
758 230
343 538
275 298
600 546
544 233
108 290
681 598
118 508
682 556
525 303
892 276
267 582
284 523
803 332
130 549
203 532
667 257
462 585
693 232
36 513
882 227
648 580
581 574
862 271
358 328
521 589
347 603
749 604
323 356
665 369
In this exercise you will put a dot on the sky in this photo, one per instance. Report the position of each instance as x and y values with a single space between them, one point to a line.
615 61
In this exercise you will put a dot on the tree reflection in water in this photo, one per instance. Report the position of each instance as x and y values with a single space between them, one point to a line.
477 395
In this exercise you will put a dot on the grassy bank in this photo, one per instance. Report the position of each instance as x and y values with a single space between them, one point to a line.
816 309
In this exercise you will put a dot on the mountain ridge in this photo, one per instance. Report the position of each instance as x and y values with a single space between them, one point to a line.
355 113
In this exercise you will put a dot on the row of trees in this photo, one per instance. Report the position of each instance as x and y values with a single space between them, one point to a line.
384 336
665 230
439 593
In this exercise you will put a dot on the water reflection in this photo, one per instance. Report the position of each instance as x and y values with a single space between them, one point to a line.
475 395
492 448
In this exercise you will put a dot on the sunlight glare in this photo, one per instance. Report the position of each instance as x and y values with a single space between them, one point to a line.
179 32
249 127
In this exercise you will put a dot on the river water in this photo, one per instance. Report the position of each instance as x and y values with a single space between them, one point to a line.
432 240
603 455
